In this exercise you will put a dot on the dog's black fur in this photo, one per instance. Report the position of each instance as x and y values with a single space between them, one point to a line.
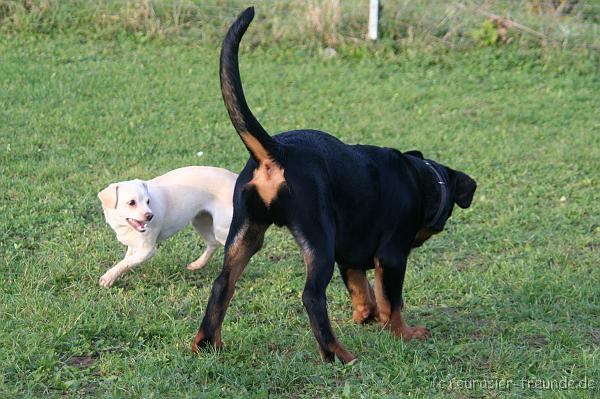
361 206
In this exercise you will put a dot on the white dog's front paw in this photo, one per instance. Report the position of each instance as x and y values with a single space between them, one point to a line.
108 279
196 265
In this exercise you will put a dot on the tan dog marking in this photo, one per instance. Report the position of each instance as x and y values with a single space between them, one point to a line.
268 180
382 303
394 319
217 342
269 177
363 298
255 147
402 330
341 352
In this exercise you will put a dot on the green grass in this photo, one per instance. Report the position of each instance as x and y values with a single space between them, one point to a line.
510 290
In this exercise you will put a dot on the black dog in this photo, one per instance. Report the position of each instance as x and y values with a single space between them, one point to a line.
361 206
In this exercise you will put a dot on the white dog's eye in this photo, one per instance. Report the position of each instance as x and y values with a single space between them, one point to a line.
131 203
148 201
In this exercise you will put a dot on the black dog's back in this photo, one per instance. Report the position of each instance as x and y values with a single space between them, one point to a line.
359 189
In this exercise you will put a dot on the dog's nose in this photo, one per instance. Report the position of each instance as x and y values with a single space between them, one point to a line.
149 216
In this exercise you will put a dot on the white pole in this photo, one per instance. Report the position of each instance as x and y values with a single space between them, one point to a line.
373 19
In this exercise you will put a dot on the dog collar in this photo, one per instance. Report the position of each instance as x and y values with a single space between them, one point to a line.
443 193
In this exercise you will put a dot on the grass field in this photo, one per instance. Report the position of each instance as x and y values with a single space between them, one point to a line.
510 290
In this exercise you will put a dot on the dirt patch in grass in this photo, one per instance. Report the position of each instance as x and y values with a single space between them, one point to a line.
82 362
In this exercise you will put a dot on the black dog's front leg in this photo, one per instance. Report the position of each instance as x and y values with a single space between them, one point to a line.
389 281
361 293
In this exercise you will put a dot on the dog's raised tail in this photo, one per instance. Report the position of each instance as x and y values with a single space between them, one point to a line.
258 142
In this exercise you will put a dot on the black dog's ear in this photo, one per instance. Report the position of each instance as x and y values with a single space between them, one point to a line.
415 153
464 189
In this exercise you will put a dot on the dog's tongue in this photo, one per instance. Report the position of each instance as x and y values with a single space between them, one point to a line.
136 224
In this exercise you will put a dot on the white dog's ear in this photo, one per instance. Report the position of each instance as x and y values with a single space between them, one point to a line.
109 196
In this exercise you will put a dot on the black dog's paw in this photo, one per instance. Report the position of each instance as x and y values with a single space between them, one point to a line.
326 355
202 341
408 333
365 315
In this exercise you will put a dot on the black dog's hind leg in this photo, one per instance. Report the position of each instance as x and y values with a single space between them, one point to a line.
361 293
319 259
389 281
244 240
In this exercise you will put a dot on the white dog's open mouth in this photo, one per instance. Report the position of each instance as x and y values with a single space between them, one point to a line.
138 225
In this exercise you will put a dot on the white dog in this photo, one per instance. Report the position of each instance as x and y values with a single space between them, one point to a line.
143 213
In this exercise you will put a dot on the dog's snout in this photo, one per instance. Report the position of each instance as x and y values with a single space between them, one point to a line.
149 216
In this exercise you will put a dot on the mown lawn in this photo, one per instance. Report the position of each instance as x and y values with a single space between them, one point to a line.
510 290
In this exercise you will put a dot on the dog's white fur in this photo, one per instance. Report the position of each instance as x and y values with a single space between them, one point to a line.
143 213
